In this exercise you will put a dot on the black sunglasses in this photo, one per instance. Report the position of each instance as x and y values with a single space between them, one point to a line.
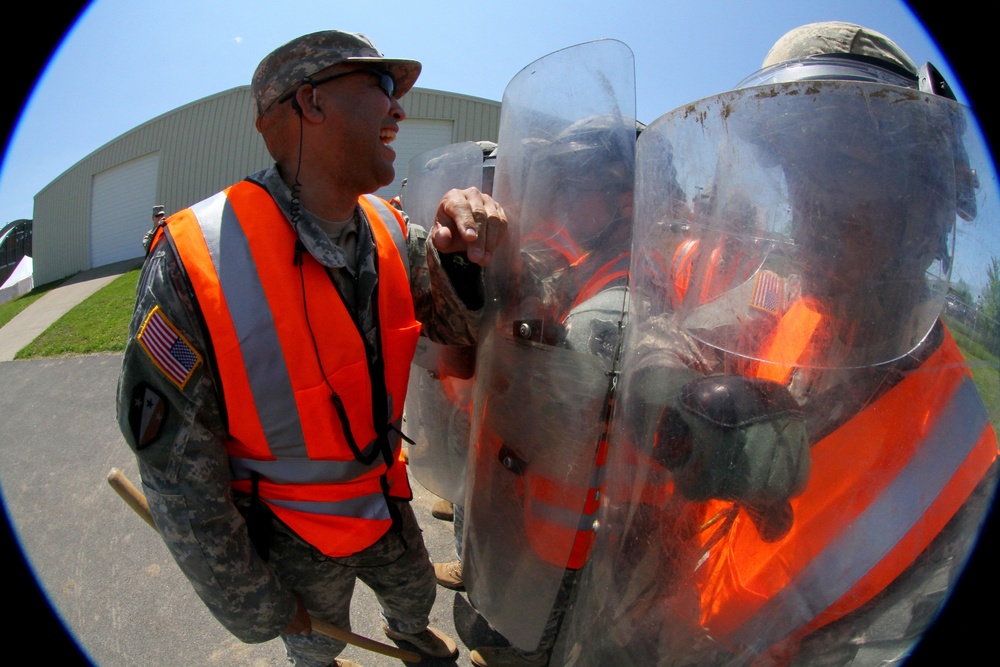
385 82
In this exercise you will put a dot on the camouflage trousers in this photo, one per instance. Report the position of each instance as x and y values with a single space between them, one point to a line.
397 568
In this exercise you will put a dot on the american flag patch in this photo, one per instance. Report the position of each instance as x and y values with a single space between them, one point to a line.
168 348
768 292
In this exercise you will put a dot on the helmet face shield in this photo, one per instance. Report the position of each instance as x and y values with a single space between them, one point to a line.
832 67
844 193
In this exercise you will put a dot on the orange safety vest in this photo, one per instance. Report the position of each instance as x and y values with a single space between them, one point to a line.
882 486
798 332
613 272
683 265
561 242
559 530
325 464
556 523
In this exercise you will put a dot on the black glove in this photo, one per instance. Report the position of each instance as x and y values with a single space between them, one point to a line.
739 439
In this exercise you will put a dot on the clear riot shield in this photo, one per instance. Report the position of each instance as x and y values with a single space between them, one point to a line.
564 177
800 460
439 396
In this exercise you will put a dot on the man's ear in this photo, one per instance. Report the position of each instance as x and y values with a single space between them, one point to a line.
305 103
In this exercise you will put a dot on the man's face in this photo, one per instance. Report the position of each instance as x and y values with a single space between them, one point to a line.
592 208
854 231
360 120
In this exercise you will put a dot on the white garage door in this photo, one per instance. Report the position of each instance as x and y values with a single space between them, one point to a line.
122 201
416 136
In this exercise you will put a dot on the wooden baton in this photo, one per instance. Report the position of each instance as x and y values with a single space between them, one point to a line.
134 499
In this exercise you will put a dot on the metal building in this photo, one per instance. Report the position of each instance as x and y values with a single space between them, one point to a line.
97 211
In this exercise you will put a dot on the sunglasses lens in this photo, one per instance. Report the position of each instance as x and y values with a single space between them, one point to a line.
387 83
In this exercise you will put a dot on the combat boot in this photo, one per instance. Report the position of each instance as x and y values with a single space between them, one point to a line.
444 510
506 656
449 575
432 643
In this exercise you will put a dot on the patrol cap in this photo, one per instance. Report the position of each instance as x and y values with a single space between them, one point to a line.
159 210
295 62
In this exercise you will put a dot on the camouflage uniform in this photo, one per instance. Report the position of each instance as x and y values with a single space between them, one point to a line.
185 471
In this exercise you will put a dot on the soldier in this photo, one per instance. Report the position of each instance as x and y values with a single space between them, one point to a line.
802 461
543 387
159 215
263 385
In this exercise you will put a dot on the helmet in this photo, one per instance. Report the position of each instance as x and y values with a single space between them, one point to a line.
489 164
843 158
581 178
594 149
839 51
856 176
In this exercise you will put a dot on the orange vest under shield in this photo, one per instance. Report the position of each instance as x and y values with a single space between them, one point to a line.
881 488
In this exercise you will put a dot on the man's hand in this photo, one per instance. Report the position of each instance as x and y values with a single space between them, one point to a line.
300 623
471 222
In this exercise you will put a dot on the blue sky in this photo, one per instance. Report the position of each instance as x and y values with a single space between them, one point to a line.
128 61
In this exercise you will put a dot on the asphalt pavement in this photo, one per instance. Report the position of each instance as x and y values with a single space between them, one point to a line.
105 591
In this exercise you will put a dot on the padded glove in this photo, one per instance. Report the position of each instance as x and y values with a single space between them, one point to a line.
739 439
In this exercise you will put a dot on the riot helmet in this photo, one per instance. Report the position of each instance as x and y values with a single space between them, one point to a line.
836 170
876 172
489 164
581 179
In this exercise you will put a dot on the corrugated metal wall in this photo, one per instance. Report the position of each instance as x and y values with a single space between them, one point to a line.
204 147
475 119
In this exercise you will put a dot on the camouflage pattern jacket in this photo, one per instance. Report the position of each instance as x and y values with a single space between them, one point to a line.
177 428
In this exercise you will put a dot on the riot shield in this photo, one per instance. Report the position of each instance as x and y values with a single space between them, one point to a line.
439 395
725 538
564 177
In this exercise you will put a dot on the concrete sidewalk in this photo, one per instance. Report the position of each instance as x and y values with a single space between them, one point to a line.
40 315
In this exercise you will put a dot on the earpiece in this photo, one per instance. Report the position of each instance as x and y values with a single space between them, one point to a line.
295 101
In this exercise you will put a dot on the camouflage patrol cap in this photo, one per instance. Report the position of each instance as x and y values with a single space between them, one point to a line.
159 210
830 37
302 58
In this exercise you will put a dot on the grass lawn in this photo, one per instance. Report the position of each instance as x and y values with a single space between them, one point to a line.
99 324
985 367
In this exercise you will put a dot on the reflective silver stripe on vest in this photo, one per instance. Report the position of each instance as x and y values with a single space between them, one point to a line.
251 315
879 528
567 518
300 471
561 516
372 507
389 219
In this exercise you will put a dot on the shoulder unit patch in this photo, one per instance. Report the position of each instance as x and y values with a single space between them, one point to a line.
147 413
